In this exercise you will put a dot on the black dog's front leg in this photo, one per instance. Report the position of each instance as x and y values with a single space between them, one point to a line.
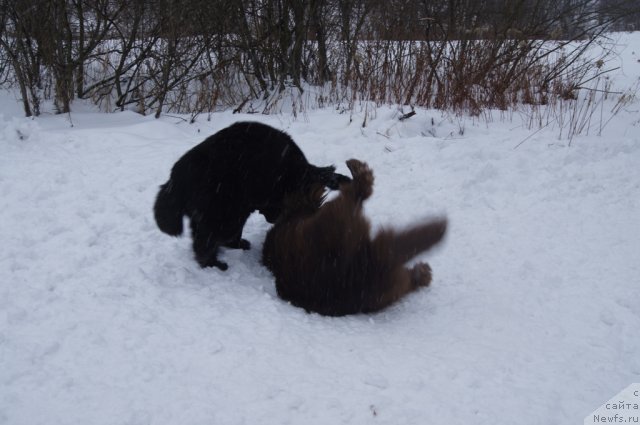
235 241
211 233
205 246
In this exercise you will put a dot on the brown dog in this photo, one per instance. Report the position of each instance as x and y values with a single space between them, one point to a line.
324 259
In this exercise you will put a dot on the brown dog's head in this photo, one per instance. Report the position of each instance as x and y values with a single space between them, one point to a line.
303 202
302 195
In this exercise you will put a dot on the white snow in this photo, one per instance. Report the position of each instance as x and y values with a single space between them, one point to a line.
533 316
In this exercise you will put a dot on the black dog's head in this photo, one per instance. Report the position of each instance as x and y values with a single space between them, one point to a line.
307 191
327 176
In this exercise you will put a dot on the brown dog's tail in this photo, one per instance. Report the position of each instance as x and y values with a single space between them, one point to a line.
402 246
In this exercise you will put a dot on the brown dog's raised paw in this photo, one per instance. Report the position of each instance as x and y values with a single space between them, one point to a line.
362 178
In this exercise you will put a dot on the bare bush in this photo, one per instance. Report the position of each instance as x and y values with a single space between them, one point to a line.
196 56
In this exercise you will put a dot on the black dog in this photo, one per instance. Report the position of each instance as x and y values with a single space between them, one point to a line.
245 167
325 260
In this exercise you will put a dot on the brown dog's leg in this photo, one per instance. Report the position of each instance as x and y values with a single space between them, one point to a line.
420 275
361 186
392 288
400 283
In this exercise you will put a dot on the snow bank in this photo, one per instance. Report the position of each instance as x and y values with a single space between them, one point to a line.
532 317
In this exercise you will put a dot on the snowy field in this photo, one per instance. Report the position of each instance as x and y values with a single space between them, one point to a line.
533 316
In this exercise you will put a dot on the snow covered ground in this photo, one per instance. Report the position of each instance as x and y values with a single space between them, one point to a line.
533 316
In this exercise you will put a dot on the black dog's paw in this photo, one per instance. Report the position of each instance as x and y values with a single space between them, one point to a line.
242 244
221 265
211 262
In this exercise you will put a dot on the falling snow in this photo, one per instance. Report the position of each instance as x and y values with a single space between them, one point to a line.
532 317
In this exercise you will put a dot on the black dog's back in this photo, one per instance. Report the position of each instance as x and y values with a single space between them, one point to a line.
246 159
245 167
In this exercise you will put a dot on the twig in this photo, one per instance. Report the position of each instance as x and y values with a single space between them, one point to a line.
239 108
176 117
531 135
599 90
596 76
407 115
70 120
